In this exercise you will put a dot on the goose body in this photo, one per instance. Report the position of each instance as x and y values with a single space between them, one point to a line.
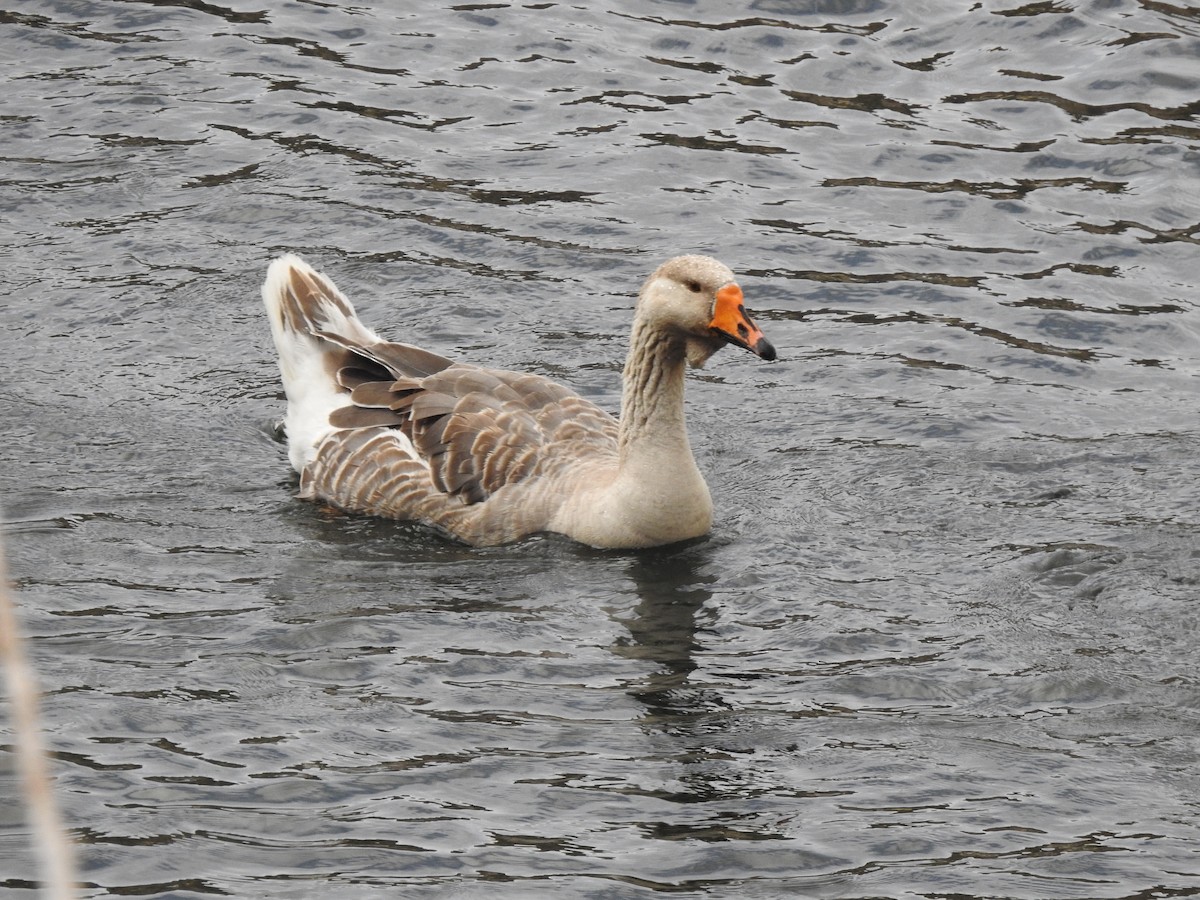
490 456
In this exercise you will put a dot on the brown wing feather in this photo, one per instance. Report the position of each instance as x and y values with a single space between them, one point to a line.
479 429
362 371
362 417
376 394
405 359
372 469
484 429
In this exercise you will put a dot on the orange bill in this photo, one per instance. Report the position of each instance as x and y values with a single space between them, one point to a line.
731 322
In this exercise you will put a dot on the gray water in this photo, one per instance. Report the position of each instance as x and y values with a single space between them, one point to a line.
942 639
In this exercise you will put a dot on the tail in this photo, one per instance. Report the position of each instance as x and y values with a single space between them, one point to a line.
314 328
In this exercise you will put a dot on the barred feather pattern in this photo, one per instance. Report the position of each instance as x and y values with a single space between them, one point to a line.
431 449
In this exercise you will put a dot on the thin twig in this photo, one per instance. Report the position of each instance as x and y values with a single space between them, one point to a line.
50 840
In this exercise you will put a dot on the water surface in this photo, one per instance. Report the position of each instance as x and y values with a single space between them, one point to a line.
941 641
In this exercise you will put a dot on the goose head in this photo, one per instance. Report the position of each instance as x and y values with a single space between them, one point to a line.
698 299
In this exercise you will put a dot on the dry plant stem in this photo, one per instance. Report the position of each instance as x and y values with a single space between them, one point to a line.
50 841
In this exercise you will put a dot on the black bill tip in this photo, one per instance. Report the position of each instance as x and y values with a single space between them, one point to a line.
764 350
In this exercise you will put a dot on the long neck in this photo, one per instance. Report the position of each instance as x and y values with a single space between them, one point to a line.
652 423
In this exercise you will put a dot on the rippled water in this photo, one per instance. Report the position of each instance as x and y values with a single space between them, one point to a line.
942 640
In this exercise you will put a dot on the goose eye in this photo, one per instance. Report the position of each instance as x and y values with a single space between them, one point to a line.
693 286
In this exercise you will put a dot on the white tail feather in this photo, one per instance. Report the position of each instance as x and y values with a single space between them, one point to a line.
306 362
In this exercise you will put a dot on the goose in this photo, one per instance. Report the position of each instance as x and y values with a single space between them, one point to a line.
488 456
